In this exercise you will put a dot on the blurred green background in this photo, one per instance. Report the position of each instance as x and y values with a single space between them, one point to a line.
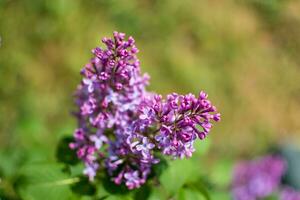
243 53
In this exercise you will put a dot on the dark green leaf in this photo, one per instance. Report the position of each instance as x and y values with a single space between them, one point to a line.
112 188
84 187
159 168
143 192
63 152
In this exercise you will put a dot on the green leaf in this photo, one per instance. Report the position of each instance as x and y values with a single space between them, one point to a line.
13 160
159 168
202 147
107 190
200 188
44 181
187 193
63 152
221 173
101 192
76 170
158 193
143 192
103 197
177 174
83 187
272 197
116 197
221 195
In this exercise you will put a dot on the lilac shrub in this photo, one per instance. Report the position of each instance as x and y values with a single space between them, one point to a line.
121 124
261 178
257 179
289 193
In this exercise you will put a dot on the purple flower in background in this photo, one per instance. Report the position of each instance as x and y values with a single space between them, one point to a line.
121 124
288 193
258 178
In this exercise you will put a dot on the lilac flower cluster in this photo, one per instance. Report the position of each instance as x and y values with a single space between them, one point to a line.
178 121
121 125
288 193
257 179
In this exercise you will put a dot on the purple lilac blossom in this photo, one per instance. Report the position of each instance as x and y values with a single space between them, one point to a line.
178 121
257 179
121 124
289 193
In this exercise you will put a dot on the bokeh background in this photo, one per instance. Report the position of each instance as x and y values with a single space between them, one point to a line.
243 53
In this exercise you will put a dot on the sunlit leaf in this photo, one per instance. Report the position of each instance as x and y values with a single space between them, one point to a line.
200 188
44 181
221 173
187 193
178 173
220 195
202 146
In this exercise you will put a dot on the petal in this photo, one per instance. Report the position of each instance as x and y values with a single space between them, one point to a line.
127 175
86 81
139 147
91 88
145 140
150 146
143 116
134 144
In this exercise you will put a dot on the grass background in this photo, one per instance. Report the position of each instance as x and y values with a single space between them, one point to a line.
243 53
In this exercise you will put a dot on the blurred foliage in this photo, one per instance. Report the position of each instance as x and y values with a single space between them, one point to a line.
243 53
44 181
292 155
